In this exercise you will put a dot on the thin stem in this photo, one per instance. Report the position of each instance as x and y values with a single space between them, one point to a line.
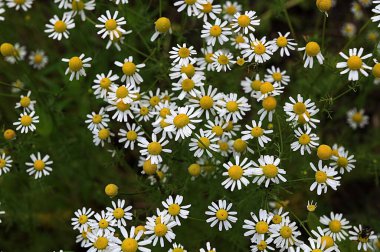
280 131
10 85
289 22
324 30
90 20
358 35
301 223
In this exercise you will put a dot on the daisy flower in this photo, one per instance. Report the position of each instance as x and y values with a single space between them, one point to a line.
18 54
240 146
216 32
284 44
153 98
103 83
123 111
192 6
17 86
206 102
324 177
175 208
26 122
222 60
278 214
299 108
258 226
188 86
252 87
40 166
268 89
82 238
237 173
343 161
230 9
59 28
269 105
97 120
78 7
102 136
81 219
159 228
76 66
348 30
356 118
153 149
208 248
354 64
267 170
117 42
143 112
311 206
337 226
306 140
238 40
99 242
38 59
208 9
205 141
162 26
324 6
285 234
220 213
256 131
26 103
177 248
190 70
111 25
234 108
245 23
262 245
102 223
276 76
218 127
123 93
130 71
119 213
257 50
363 236
133 241
182 55
182 121
5 163
207 60
324 239
312 49
20 4
131 135
316 245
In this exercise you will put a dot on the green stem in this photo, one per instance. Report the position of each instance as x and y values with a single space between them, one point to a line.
324 31
301 223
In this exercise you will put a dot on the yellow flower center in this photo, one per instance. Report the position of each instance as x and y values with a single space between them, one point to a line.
222 215
178 250
304 139
77 5
208 57
335 226
2 163
105 83
203 142
194 170
320 177
101 243
187 85
149 168
103 223
129 68
257 132
163 124
262 245
60 26
160 175
223 146
311 208
75 64
207 8
269 103
235 172
19 1
376 70
206 102
215 31
324 152
277 76
190 2
122 92
270 171
240 145
243 21
301 119
83 219
144 111
131 135
39 165
154 148
160 229
174 209
129 245
38 58
103 134
262 227
328 241
312 49
96 119
232 106
282 41
223 59
26 120
342 162
277 219
122 106
111 24
239 39
189 70
260 48
181 120
111 190
218 130
118 213
240 61
231 10
163 24
229 126
266 87
138 229
354 62
286 232
299 108
316 250
183 52
164 112
357 117
7 49
25 101
154 101
324 5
